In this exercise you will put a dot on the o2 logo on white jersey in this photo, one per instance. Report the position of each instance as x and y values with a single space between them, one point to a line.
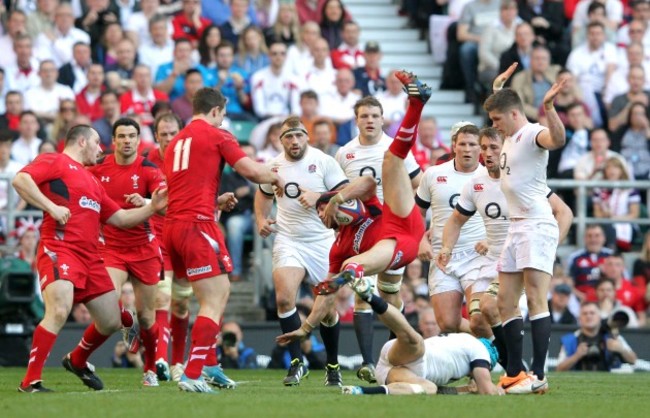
493 211
87 203
369 171
503 163
292 190
453 199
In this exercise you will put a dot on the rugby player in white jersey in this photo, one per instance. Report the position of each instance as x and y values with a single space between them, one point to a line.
529 251
439 190
483 194
410 365
302 243
364 156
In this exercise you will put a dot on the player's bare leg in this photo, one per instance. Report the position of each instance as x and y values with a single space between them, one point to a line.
58 298
478 324
447 307
287 282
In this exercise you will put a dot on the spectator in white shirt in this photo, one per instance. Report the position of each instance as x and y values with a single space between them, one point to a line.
44 99
24 73
25 148
7 166
75 73
299 55
139 23
613 9
320 75
339 106
14 28
158 48
593 63
618 83
275 92
393 100
57 44
641 14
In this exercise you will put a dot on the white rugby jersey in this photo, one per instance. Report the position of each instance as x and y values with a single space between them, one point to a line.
523 174
439 189
316 172
366 160
450 357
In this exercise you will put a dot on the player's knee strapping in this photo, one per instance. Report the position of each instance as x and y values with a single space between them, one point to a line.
165 284
474 307
389 287
180 292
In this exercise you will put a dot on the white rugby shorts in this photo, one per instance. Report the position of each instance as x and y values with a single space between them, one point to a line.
418 366
312 256
531 243
461 273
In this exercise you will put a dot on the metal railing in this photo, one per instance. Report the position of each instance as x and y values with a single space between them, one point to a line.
582 188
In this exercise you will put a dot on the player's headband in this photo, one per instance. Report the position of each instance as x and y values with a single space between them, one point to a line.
293 130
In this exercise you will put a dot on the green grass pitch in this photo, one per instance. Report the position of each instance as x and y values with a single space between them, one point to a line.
261 395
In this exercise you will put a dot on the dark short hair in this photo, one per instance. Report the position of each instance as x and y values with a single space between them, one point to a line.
207 99
160 107
467 130
6 136
181 41
320 122
489 132
167 117
79 131
369 101
594 25
595 6
126 122
603 280
503 101
108 93
27 113
225 44
193 71
309 94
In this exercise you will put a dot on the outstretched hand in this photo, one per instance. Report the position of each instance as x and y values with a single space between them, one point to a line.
550 95
284 339
159 200
502 78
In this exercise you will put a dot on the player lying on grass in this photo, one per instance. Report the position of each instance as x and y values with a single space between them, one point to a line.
410 364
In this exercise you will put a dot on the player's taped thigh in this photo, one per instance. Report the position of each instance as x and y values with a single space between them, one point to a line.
389 287
180 292
165 284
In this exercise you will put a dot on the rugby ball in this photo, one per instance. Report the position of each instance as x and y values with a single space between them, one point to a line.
351 212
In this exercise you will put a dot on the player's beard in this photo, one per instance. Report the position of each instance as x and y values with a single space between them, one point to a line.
295 155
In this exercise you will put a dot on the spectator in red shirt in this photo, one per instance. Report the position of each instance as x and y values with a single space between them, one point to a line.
349 53
428 147
88 102
626 293
142 97
188 23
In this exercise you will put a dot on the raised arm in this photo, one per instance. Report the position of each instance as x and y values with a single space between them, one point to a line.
555 136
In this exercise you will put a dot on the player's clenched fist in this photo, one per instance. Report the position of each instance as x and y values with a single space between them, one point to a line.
265 229
61 214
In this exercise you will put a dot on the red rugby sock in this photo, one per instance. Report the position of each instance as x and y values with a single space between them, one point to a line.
204 334
149 337
179 328
90 342
162 319
42 343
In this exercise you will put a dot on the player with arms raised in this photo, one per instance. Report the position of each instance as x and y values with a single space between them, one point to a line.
529 251
68 261
193 165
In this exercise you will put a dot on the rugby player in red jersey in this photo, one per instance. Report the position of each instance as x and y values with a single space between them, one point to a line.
68 261
193 164
128 179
